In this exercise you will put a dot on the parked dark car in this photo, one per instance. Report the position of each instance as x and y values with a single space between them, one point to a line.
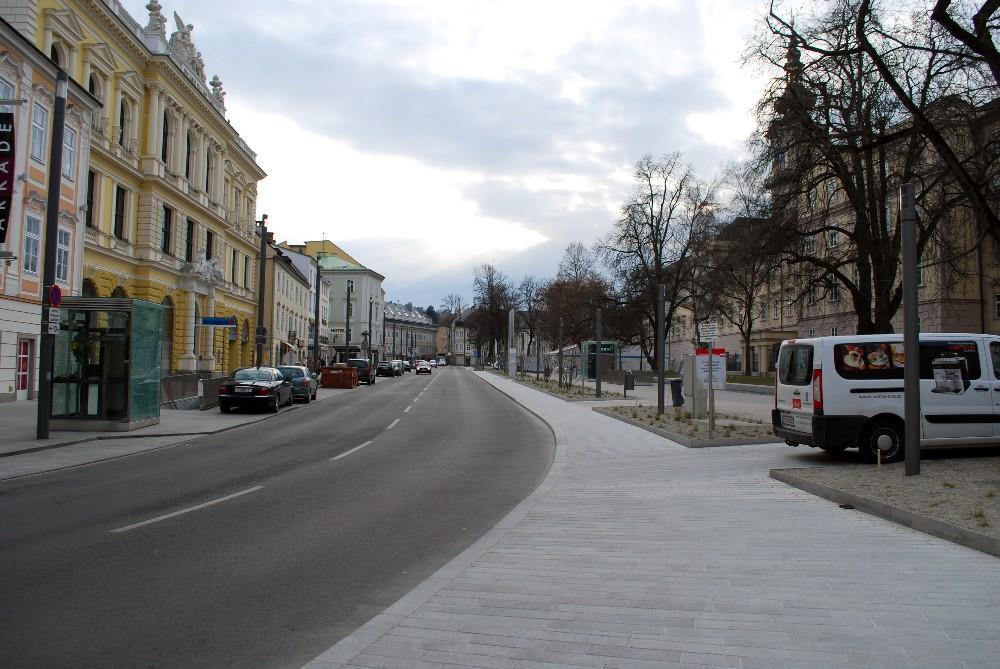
384 368
397 367
366 373
255 387
305 384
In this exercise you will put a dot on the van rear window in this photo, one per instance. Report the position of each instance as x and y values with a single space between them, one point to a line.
795 365
886 360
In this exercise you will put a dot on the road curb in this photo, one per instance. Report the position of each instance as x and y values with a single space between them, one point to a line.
937 528
357 641
687 442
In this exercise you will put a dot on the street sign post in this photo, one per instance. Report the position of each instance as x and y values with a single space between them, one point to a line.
708 332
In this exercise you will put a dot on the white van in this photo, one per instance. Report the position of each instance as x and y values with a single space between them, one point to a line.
841 392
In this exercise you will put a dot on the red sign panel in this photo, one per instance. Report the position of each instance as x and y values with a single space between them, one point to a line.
55 295
796 403
6 171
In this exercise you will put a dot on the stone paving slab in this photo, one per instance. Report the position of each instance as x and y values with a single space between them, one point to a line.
637 552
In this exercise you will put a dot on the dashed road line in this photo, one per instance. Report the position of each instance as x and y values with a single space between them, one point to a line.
346 453
392 424
187 510
407 409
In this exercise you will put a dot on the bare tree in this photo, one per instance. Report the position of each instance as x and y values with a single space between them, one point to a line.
494 298
829 133
452 303
654 240
531 299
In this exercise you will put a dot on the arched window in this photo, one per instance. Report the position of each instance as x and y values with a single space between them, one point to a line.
123 121
165 139
55 56
208 171
94 86
167 341
187 156
89 289
119 291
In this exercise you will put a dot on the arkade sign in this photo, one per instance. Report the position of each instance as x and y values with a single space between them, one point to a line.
6 171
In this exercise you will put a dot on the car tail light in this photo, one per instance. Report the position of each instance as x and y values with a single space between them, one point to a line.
223 390
817 390
263 391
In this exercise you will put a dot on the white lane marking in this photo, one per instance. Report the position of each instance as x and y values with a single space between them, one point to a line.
407 409
188 510
346 453
392 424
416 399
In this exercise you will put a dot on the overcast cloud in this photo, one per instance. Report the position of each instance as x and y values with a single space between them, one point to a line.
429 136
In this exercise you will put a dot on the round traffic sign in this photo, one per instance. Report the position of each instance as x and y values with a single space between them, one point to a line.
55 295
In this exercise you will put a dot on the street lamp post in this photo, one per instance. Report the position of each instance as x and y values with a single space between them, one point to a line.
347 329
261 280
46 353
371 303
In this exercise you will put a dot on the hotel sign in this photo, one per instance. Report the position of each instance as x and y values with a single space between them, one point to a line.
6 171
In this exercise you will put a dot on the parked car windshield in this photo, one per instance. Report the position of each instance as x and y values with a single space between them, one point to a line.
252 375
291 372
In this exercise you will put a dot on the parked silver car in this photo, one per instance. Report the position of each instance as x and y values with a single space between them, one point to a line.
305 384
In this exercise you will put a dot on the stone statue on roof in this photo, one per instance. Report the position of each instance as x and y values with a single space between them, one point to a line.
198 65
157 21
217 92
180 40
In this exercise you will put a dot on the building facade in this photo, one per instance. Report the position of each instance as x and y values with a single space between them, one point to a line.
28 81
355 302
171 188
288 310
409 332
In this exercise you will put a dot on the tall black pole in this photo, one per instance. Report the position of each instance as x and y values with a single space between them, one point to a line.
261 282
47 341
911 333
661 363
319 289
559 348
597 360
347 329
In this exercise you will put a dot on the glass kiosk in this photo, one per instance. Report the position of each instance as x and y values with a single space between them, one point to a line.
106 375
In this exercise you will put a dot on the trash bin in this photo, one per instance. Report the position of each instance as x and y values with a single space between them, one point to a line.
629 380
676 392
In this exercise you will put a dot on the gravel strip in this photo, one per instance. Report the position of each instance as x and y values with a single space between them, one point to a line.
964 492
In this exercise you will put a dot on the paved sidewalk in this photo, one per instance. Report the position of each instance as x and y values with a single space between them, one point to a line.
21 453
750 405
636 552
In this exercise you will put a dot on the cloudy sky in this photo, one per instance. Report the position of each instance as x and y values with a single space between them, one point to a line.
429 136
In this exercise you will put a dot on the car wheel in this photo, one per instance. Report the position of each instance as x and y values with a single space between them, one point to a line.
274 405
315 393
307 399
880 431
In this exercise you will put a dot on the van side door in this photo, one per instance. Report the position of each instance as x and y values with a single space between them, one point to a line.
955 390
993 353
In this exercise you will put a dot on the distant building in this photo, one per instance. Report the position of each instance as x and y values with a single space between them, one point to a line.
409 332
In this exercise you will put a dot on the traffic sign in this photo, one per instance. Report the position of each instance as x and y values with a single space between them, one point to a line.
54 315
708 331
53 327
55 295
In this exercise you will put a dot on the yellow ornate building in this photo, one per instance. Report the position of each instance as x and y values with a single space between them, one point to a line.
171 189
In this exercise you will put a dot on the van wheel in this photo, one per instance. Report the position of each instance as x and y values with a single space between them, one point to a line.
868 446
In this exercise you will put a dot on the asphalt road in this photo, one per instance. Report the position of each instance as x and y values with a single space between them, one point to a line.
260 546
